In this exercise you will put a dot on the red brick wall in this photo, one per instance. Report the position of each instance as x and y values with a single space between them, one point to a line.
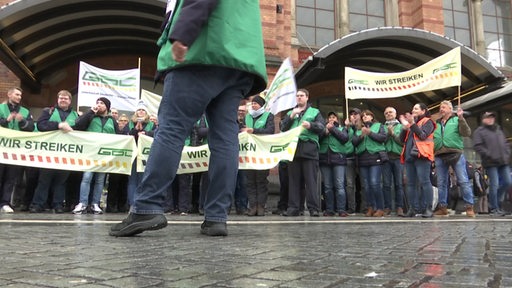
7 81
422 14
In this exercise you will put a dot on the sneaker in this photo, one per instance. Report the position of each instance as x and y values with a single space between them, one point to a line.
497 213
400 212
441 212
96 209
6 209
80 208
470 212
211 228
137 223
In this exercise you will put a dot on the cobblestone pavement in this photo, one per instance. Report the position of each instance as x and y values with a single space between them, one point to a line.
48 250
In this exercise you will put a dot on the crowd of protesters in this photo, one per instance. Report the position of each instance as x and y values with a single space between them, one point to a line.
406 166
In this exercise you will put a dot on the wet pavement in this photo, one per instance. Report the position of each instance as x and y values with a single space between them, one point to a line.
50 250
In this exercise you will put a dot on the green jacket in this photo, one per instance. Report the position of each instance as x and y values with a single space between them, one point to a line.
231 38
96 126
368 143
309 115
391 144
13 124
448 135
335 145
260 122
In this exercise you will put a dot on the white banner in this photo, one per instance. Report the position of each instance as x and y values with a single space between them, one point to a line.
151 100
256 152
282 92
441 72
121 87
75 150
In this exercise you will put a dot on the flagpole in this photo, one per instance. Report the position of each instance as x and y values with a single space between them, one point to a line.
346 107
458 97
140 61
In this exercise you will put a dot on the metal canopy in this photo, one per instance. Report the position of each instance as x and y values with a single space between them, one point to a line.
40 36
388 50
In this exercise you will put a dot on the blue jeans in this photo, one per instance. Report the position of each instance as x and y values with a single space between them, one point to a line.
371 179
334 185
418 177
85 187
241 190
499 182
133 181
443 176
392 173
188 92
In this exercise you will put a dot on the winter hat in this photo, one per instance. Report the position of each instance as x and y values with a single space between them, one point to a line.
141 105
105 101
259 100
488 114
354 110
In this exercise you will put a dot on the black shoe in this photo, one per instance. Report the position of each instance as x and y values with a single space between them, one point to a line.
137 223
291 213
58 210
428 213
211 228
23 208
35 209
410 213
278 212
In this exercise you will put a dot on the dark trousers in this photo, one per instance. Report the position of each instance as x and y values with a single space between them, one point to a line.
257 187
9 176
117 192
54 180
73 188
282 204
308 170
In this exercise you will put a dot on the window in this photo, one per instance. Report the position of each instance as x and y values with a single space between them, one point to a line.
315 20
456 21
497 17
365 14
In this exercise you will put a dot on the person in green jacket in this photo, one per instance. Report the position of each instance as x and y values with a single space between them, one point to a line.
211 57
258 122
392 170
59 117
448 148
303 170
95 120
16 117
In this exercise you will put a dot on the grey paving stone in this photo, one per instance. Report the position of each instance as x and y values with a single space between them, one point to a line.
47 250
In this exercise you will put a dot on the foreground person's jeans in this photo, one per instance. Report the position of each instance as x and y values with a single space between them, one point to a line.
187 93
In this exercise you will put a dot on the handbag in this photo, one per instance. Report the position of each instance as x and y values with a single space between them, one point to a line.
450 159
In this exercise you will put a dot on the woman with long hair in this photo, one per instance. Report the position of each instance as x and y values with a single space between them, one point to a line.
418 154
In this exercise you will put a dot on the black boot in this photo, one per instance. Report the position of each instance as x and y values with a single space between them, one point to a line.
410 213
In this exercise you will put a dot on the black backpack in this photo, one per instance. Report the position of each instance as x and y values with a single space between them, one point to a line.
480 184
